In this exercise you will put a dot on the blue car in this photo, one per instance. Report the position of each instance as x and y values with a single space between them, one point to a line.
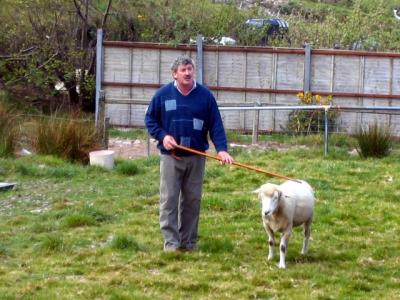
267 28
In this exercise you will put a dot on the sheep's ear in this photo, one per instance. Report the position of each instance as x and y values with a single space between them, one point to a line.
281 195
257 191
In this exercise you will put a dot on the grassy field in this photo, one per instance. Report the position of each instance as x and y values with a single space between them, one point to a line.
79 232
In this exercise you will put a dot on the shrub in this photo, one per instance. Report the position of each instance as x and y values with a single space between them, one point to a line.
311 121
374 141
71 138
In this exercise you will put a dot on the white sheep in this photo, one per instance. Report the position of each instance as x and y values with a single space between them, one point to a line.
284 207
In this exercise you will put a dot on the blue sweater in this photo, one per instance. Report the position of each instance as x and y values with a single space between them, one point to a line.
187 118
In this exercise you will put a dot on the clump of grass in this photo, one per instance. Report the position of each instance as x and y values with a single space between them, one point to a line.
96 214
216 245
8 131
86 216
3 251
52 243
123 242
127 167
27 169
70 137
374 141
78 220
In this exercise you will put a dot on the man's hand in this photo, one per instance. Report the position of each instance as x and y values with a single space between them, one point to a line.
169 142
225 157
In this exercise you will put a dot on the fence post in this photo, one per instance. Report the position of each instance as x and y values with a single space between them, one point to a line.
326 110
307 68
105 132
199 42
101 123
99 71
256 121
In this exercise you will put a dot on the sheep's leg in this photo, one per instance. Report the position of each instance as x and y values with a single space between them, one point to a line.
307 233
271 241
283 248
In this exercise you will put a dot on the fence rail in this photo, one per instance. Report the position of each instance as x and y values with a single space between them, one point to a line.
391 110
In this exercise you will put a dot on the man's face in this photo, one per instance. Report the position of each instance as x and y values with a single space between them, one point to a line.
184 75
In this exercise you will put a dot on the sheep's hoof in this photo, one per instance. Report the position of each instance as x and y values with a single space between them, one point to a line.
281 266
270 257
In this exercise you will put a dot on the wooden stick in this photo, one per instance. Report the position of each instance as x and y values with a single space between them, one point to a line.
235 163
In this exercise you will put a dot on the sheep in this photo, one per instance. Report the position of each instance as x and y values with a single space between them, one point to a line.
284 207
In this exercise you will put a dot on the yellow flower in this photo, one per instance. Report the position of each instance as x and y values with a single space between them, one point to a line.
317 98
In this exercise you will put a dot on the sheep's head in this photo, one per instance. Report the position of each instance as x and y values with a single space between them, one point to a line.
269 195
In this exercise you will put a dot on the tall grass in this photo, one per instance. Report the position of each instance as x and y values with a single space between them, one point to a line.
374 141
8 130
71 137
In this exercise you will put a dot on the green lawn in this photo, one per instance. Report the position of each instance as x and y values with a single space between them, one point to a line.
79 232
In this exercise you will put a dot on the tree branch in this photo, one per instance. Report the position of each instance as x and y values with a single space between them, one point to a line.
78 11
28 74
103 23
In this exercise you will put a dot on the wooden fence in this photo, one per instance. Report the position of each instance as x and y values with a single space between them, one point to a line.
130 73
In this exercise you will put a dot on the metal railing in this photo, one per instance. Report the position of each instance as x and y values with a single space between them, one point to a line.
325 108
257 107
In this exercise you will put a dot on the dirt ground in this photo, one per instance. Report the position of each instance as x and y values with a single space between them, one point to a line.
130 149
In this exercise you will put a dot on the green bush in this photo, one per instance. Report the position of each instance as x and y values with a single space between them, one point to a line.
70 137
374 141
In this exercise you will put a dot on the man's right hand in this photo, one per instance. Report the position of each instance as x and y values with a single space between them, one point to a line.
169 142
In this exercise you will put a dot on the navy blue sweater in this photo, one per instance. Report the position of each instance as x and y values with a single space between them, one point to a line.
187 118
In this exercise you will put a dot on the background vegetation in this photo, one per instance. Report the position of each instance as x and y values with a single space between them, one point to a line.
74 232
45 43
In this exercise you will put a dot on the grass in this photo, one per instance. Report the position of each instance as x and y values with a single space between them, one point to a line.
8 129
374 141
87 233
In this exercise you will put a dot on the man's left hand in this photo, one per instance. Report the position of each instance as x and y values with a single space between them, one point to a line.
225 158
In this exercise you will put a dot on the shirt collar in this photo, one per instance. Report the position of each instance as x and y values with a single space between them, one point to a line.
193 87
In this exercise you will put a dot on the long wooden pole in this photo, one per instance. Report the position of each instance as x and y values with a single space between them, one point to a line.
235 163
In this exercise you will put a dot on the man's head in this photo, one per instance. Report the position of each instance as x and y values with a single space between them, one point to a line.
183 71
181 60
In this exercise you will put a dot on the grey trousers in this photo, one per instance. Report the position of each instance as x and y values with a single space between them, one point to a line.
181 183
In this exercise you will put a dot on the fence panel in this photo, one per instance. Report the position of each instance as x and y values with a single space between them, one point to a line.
132 72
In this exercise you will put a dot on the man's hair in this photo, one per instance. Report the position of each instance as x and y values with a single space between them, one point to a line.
181 60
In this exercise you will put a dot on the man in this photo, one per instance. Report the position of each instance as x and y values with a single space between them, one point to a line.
183 112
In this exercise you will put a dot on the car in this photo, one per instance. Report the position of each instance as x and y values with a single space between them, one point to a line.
396 13
266 29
